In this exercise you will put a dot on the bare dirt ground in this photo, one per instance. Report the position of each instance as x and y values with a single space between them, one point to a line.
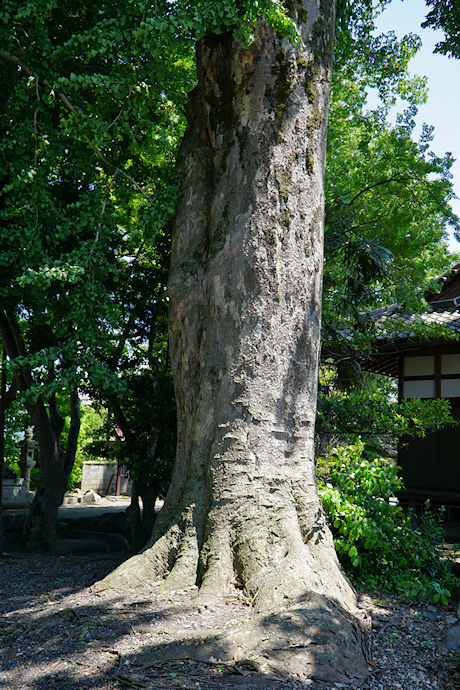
55 633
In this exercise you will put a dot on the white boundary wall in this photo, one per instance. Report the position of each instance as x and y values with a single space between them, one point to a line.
102 475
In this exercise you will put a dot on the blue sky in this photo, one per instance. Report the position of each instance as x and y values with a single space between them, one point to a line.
443 107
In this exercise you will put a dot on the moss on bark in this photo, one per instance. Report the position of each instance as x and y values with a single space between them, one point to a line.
242 509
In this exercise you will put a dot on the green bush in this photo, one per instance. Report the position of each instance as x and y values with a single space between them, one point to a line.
379 545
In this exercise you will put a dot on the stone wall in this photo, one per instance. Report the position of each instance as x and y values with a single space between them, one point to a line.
101 476
14 492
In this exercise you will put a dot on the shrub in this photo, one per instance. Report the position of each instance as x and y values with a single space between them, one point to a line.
379 545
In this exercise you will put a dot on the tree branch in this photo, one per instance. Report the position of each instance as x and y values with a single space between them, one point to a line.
394 178
57 422
114 361
69 105
25 68
136 184
14 345
10 395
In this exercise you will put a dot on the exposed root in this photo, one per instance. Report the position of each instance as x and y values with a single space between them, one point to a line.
312 639
304 617
216 564
274 562
144 568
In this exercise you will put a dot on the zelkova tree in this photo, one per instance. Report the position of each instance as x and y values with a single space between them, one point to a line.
445 15
245 286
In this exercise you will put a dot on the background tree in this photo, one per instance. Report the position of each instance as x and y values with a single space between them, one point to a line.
144 411
84 88
92 420
387 196
387 216
445 15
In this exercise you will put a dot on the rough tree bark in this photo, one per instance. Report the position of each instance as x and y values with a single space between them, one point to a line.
245 289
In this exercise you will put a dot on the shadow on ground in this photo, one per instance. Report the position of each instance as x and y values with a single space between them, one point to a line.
55 633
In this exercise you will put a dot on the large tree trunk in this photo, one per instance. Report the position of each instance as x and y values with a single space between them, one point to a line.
245 287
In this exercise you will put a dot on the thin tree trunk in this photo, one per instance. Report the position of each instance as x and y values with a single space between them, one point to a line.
245 287
55 464
140 525
133 514
2 439
55 468
148 494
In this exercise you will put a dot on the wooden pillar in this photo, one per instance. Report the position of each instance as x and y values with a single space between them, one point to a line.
117 489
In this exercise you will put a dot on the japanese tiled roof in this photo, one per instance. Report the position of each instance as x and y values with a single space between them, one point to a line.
390 321
396 330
